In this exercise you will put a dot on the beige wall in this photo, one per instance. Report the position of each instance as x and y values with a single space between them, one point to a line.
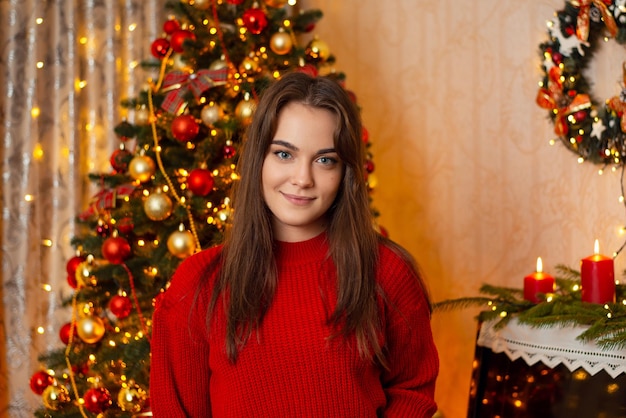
467 179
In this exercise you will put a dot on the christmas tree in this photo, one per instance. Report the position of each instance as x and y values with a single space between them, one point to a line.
166 195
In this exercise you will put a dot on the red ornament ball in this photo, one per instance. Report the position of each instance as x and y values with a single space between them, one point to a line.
185 128
116 249
125 225
200 181
580 115
170 26
365 135
160 47
73 263
235 2
309 69
120 306
97 400
71 280
254 20
40 381
120 160
369 166
229 151
178 38
64 333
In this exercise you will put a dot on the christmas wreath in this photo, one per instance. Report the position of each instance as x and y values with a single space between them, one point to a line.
594 131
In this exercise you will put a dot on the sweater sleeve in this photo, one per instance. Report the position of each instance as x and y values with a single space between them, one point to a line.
179 372
412 357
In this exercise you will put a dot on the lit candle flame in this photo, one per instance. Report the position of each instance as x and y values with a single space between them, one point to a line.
539 265
596 247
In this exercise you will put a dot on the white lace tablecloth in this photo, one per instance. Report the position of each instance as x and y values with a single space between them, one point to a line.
551 346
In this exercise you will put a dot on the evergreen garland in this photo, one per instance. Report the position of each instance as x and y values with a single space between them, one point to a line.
604 324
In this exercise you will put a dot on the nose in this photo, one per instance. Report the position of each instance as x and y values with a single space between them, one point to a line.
302 175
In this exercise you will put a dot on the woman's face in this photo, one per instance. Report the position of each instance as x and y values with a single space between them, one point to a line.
301 172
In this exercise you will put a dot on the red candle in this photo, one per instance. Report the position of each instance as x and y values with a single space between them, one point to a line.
537 282
597 278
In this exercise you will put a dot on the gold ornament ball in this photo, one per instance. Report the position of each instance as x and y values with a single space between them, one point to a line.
158 206
131 398
281 43
141 168
211 113
276 3
245 110
90 329
317 50
54 397
181 244
142 116
248 66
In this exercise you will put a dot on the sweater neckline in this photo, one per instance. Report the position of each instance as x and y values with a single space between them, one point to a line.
313 249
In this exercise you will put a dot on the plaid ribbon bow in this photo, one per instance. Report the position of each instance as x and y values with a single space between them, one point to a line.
178 83
105 199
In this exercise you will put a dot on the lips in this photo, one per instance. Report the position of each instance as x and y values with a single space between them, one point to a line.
298 200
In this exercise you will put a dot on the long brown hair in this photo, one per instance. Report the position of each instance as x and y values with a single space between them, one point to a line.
247 279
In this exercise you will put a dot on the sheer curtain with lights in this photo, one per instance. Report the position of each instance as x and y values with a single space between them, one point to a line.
64 67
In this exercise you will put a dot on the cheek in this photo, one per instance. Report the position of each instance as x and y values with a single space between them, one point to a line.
334 183
269 176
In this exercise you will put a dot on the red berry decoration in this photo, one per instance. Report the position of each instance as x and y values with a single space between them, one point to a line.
116 249
170 26
229 151
64 333
73 263
40 381
120 160
178 38
200 181
369 166
120 306
254 20
185 128
160 47
97 400
102 229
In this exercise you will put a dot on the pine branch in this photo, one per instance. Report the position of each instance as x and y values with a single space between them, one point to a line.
461 303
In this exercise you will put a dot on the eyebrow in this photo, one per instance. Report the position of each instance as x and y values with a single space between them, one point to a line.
294 148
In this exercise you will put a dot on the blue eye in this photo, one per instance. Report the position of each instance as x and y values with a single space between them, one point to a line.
283 155
325 160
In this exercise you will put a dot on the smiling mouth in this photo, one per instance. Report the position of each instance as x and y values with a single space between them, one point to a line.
298 200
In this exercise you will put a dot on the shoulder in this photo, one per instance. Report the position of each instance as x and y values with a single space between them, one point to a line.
192 274
399 277
392 258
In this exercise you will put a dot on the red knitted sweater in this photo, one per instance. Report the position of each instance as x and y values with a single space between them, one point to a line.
289 367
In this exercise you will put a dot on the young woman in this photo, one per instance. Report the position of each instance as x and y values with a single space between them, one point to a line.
305 310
